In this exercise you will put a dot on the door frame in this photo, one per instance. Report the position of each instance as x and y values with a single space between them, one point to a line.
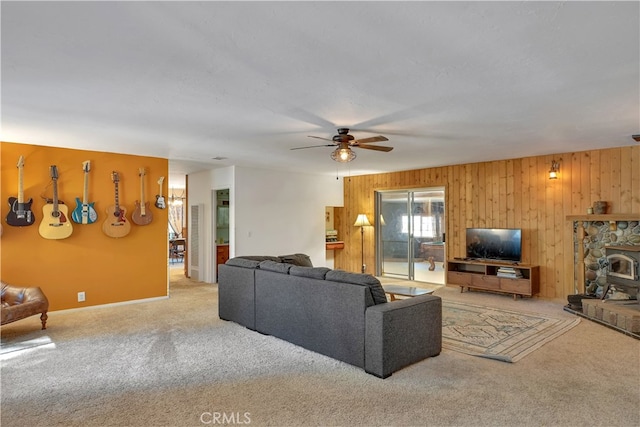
413 197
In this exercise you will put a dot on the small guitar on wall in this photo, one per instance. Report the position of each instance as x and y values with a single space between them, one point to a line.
84 213
116 224
20 213
55 223
142 214
160 203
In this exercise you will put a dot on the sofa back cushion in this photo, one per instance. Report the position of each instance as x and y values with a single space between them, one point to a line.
278 267
311 272
243 262
377 292
301 260
260 258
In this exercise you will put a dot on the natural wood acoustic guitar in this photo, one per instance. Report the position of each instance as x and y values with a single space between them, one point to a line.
116 224
142 214
55 222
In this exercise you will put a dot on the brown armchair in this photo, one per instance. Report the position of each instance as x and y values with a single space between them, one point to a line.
20 303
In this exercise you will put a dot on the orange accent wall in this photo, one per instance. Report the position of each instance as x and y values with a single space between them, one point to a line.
107 269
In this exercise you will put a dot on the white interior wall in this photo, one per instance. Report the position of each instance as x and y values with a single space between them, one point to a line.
280 213
271 212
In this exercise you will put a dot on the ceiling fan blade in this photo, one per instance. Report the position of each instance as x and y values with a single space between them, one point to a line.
319 137
368 140
313 146
375 147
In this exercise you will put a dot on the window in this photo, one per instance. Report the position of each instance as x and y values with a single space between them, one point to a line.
423 226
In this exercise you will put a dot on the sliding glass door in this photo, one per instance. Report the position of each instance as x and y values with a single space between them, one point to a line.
410 234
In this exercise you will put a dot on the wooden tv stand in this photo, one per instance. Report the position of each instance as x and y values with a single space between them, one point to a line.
479 274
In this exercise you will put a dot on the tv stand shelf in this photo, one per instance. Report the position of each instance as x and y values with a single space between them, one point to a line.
491 276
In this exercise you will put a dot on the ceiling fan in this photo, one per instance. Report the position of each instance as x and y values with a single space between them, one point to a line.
344 142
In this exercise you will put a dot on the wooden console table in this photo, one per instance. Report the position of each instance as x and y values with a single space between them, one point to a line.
485 275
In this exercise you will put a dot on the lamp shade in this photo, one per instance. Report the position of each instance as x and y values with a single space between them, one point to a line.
361 221
553 172
343 155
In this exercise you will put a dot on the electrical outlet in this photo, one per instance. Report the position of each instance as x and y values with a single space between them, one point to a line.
81 296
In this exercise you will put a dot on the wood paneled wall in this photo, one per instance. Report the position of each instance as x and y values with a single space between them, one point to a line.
515 193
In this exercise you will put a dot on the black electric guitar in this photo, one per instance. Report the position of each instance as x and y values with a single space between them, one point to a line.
20 213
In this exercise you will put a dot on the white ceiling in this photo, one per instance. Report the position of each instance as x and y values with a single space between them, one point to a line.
446 82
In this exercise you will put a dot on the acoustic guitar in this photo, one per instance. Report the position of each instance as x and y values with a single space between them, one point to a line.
142 214
160 202
116 224
55 223
84 213
20 213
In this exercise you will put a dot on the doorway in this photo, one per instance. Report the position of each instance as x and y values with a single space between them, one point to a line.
222 235
410 234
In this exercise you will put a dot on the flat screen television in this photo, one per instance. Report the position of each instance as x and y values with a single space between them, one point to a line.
502 244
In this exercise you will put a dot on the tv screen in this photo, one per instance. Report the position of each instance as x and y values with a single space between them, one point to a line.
503 244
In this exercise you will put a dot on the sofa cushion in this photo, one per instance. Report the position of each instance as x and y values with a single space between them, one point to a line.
377 292
260 258
301 260
278 267
312 272
243 262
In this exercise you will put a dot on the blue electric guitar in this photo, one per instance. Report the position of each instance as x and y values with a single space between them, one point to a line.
84 213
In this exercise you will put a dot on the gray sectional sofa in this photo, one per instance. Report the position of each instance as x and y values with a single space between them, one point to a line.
336 313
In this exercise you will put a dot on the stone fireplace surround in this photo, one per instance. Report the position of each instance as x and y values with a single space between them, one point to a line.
597 236
592 235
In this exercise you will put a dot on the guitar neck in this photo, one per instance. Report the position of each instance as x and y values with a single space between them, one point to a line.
55 195
20 184
117 198
85 193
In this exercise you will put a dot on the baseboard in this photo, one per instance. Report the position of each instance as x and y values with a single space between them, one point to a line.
113 304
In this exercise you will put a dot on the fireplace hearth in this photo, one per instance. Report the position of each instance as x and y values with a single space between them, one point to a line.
607 255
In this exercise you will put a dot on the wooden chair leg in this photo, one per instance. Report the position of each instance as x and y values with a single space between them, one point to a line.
43 319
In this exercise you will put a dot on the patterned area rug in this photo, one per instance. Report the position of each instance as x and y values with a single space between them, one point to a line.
495 333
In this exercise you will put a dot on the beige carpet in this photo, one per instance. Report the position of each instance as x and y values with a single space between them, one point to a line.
496 333
173 362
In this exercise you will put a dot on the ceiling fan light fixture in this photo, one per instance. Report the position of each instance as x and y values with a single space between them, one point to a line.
343 155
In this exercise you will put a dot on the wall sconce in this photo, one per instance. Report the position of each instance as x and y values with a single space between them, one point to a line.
343 155
553 172
361 222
